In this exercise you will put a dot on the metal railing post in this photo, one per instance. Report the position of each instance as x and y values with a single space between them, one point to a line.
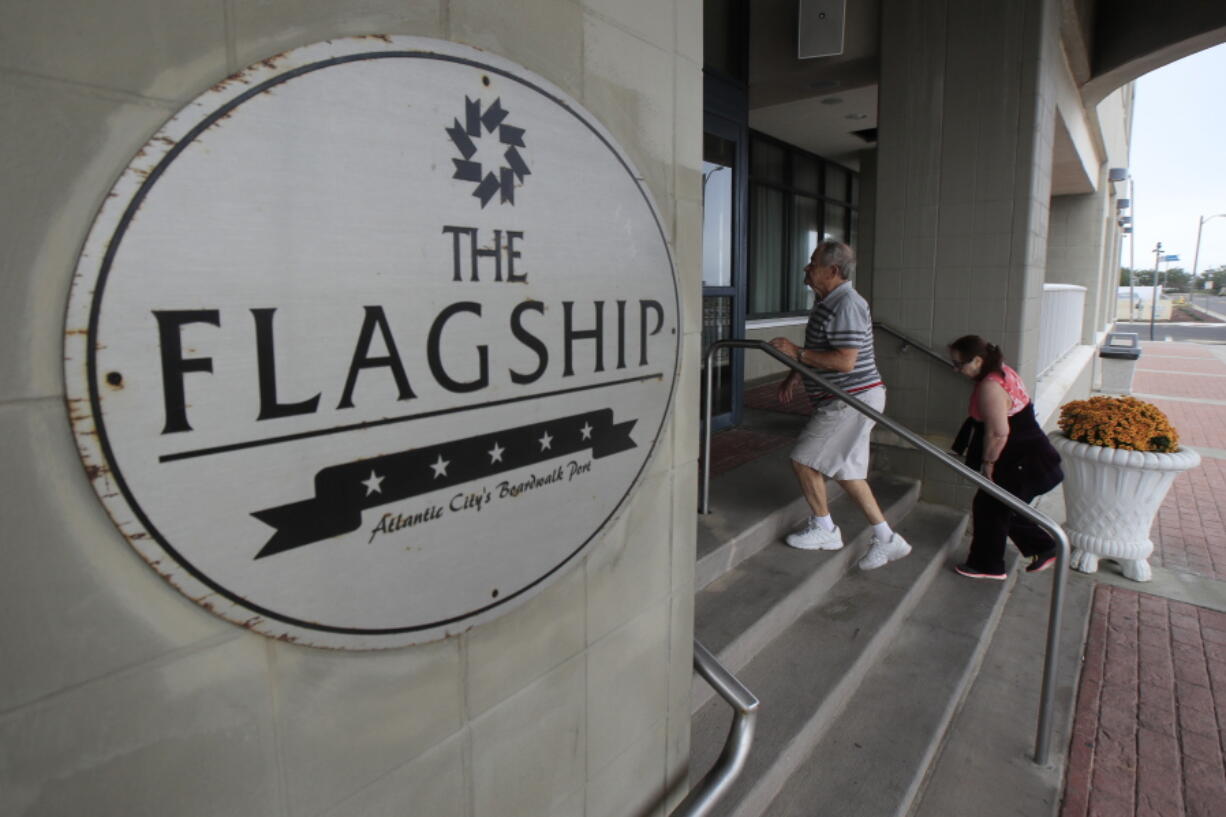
704 505
1054 622
702 798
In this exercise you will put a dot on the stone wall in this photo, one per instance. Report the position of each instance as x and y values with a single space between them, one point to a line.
119 695
966 126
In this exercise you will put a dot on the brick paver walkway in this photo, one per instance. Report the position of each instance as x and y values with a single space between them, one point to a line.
1188 533
1150 731
1198 424
737 446
1151 711
1151 348
1184 364
766 398
1172 384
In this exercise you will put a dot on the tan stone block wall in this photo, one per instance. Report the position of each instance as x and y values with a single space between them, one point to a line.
121 696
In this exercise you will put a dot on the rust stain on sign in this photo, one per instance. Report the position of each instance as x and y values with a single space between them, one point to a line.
97 472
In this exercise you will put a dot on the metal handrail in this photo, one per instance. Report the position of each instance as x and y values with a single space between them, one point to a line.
908 342
702 798
1048 694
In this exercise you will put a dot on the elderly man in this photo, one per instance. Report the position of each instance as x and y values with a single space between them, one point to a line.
834 443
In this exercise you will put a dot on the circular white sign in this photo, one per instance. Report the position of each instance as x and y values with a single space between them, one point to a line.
370 340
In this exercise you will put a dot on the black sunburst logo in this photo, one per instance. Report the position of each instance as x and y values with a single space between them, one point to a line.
478 125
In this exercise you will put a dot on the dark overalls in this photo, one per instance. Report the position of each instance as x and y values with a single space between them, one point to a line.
1027 467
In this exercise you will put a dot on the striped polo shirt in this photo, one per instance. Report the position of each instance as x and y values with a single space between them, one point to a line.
841 320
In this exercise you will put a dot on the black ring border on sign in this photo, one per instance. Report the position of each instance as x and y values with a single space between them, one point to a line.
117 239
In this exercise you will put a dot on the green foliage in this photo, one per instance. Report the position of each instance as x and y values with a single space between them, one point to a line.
1217 275
1175 279
1143 277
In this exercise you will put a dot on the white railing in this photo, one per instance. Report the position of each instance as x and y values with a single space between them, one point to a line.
1060 322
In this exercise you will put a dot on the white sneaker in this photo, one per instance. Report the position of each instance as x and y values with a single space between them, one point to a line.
814 537
882 553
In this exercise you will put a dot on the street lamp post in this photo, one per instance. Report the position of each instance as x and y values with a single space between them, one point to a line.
1153 304
1196 257
1125 223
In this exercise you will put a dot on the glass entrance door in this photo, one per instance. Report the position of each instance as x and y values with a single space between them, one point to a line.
723 311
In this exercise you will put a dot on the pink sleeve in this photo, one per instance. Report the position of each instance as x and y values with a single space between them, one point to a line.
998 378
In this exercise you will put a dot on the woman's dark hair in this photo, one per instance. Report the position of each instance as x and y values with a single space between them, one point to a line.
971 346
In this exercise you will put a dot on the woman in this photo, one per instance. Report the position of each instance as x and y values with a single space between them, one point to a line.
1003 441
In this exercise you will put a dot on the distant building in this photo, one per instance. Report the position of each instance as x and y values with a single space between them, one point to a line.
1141 298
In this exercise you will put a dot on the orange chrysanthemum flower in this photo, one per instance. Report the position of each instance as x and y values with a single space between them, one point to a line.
1118 422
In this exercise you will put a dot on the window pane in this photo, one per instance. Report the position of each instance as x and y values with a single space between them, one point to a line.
766 162
717 325
766 250
835 227
805 229
804 173
836 182
855 188
718 159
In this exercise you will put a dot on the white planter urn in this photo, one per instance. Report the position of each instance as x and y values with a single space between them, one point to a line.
1111 496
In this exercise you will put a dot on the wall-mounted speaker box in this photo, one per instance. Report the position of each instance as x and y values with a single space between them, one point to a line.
820 28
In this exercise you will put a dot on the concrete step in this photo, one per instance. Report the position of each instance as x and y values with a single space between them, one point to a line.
806 675
1005 695
744 609
751 507
875 757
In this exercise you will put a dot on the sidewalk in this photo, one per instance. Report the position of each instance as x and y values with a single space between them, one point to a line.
1150 728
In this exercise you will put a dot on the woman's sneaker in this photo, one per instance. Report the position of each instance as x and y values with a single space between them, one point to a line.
814 537
976 573
1041 561
882 553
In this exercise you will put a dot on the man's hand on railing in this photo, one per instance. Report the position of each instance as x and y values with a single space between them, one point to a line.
787 389
786 346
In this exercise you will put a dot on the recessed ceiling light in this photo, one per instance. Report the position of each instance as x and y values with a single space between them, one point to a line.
856 116
833 100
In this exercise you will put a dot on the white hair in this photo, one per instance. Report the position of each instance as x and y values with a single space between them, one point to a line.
837 254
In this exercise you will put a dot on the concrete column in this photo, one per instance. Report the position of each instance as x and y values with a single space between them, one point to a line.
966 127
866 239
1078 253
1111 277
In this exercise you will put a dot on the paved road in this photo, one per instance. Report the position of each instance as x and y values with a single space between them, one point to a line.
1217 303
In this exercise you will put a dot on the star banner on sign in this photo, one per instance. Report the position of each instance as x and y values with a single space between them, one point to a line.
342 492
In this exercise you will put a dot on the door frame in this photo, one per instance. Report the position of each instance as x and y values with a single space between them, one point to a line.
726 115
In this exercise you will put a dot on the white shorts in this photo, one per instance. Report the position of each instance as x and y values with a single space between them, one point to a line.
835 440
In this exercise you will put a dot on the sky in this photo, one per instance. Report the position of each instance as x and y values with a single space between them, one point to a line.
1178 161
